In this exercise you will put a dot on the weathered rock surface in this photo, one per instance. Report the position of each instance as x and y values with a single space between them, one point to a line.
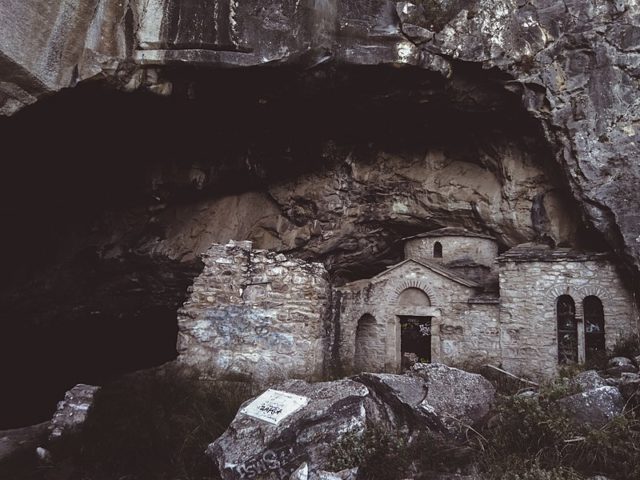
574 64
595 407
257 449
433 396
430 396
72 412
588 380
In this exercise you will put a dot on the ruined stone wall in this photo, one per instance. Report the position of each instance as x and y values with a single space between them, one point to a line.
256 314
481 250
461 331
529 291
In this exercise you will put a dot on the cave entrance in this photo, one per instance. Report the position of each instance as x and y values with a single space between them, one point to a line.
415 340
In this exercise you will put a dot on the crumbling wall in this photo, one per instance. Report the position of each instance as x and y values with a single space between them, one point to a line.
529 291
256 314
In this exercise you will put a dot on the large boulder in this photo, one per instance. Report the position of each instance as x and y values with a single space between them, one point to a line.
595 407
588 380
433 396
429 397
254 448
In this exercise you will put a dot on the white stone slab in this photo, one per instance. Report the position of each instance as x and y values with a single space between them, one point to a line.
273 406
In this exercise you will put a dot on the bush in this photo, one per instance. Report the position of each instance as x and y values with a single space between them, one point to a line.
157 425
627 347
533 438
388 455
381 455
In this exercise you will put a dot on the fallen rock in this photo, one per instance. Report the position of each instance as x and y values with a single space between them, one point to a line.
595 407
71 413
619 365
433 396
460 398
254 448
588 380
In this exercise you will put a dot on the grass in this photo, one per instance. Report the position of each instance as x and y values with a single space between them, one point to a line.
527 438
627 347
156 425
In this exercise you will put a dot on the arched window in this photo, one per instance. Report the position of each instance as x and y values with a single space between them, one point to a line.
567 330
593 328
366 343
437 250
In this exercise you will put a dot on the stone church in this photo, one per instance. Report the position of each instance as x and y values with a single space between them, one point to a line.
453 300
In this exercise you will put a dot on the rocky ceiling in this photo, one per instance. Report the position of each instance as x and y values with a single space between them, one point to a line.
327 128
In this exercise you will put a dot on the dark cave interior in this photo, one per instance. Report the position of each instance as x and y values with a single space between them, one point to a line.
70 316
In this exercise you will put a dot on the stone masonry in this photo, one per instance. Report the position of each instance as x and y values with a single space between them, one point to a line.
255 314
258 314
531 280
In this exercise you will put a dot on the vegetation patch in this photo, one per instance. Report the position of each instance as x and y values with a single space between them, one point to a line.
156 425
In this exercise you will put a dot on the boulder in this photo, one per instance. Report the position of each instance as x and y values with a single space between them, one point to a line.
433 396
620 365
298 445
594 407
72 412
588 380
254 448
460 398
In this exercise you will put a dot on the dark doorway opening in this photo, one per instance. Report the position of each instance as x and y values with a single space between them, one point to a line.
567 330
593 329
415 340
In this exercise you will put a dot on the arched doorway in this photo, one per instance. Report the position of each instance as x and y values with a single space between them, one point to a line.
594 344
567 330
415 329
367 343
437 250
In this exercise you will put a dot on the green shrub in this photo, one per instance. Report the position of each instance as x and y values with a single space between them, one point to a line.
157 425
535 472
613 450
533 438
380 454
388 455
627 347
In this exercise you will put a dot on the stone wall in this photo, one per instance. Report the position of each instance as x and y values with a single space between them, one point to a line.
257 314
481 250
529 291
461 331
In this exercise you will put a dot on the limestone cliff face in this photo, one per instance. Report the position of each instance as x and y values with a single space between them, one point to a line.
573 63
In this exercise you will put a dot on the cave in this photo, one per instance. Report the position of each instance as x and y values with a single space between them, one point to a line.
109 198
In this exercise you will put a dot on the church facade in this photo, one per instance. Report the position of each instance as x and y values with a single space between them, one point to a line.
453 299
